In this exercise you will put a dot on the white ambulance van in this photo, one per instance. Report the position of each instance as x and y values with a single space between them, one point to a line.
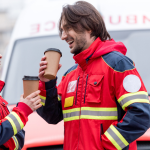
37 29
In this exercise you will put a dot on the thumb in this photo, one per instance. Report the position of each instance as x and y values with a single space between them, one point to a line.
21 96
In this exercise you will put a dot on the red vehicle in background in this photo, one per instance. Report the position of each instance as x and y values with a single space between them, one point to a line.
37 29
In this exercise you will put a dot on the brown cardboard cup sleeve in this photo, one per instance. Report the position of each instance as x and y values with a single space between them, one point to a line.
30 85
52 57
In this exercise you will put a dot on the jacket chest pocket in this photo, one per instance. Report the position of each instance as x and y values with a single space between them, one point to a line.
94 85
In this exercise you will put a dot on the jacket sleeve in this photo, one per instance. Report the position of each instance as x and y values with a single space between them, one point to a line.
51 111
16 142
19 139
11 133
132 96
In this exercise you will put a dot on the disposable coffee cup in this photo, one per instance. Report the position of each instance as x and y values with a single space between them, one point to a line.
52 57
30 85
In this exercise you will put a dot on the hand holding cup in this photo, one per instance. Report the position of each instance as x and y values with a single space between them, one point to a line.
30 85
43 66
33 100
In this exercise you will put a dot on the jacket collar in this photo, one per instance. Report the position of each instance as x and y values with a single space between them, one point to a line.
2 84
83 57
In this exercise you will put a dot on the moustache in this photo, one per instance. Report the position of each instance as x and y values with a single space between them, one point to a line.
69 38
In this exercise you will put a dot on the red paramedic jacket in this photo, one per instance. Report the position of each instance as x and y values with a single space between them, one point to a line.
12 123
102 100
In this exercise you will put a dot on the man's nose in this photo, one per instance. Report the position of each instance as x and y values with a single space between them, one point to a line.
63 35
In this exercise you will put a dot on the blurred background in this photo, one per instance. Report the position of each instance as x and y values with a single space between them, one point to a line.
9 12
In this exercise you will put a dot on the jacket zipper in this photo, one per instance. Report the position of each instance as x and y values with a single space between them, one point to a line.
77 90
85 87
80 110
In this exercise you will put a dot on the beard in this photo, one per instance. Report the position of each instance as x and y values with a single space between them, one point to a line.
79 44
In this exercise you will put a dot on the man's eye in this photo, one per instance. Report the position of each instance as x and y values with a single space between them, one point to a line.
61 31
68 28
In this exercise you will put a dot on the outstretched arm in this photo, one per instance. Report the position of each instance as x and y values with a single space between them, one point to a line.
11 133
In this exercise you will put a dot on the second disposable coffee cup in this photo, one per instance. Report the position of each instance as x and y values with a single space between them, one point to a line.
30 85
52 57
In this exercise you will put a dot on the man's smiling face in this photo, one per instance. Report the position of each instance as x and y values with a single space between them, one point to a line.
78 41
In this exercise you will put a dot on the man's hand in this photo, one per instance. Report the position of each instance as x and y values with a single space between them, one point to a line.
43 66
33 100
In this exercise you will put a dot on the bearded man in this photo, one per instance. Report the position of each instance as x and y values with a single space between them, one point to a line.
102 99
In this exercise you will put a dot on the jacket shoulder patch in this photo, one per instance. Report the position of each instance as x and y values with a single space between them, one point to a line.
132 83
71 86
118 61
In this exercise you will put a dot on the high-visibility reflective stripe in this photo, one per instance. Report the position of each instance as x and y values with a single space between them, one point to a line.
112 140
18 119
99 108
12 124
71 114
137 97
135 101
42 100
71 110
43 97
67 115
131 94
59 98
16 143
99 113
42 103
99 117
125 100
71 118
15 121
91 113
117 137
